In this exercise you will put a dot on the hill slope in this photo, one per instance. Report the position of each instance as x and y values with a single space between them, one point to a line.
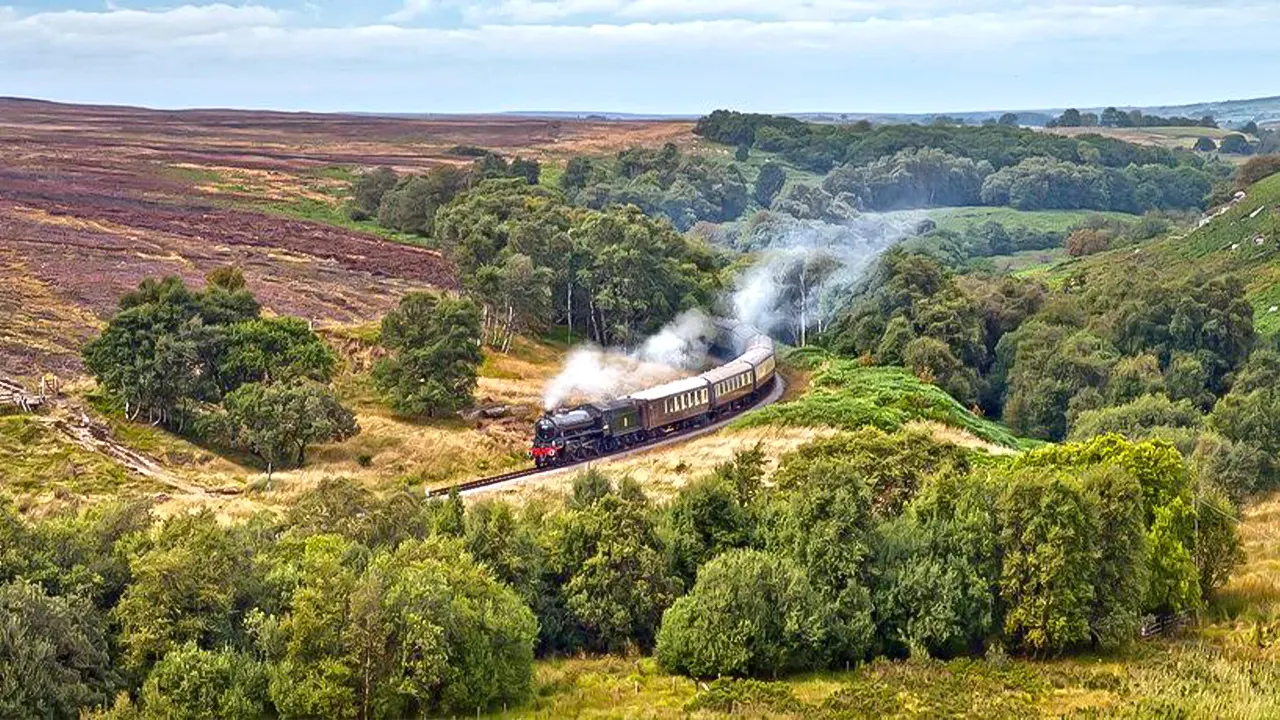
1244 241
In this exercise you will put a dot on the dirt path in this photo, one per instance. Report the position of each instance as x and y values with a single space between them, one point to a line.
70 420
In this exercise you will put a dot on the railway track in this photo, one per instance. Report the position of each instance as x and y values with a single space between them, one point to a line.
488 483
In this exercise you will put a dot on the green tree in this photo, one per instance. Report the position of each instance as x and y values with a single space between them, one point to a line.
769 183
369 189
1205 145
516 298
434 344
1047 534
607 560
1138 419
273 350
277 422
418 630
194 684
54 657
750 614
821 516
411 207
705 520
935 570
1235 144
150 353
1120 575
190 583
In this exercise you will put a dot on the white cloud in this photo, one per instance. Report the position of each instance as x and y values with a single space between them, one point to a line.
524 29
412 10
139 25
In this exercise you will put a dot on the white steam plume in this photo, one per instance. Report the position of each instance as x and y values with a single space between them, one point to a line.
833 258
594 373
809 269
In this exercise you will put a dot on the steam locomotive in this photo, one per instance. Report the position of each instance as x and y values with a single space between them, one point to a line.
603 427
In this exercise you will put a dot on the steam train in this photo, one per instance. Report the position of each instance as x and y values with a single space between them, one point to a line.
601 428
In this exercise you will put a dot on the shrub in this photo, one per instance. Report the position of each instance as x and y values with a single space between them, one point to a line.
1256 170
1136 420
194 684
750 614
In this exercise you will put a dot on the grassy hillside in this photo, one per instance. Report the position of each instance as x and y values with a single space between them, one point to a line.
846 395
35 459
1244 241
1163 679
962 218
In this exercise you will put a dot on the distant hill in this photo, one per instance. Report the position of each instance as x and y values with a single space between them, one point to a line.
1227 113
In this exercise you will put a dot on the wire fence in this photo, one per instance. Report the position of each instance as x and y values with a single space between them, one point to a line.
1160 625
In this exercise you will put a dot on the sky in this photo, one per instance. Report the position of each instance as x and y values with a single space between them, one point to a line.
641 56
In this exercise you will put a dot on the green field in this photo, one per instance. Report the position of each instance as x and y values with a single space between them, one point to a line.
962 218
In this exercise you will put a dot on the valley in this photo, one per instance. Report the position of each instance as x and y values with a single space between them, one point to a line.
1024 464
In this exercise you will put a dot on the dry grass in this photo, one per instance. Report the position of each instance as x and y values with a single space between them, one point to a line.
955 436
662 472
1250 602
36 323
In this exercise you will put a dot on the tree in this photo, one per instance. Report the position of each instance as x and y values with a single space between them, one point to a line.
620 588
1050 365
273 350
606 559
369 189
194 684
54 658
821 516
1206 145
411 207
434 344
1069 118
750 614
1008 120
190 584
1137 419
911 179
1111 117
743 153
516 297
277 422
769 183
420 630
150 354
1047 535
705 520
1120 575
935 570
1235 144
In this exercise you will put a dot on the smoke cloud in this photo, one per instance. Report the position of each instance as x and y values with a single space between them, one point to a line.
594 373
807 273
809 269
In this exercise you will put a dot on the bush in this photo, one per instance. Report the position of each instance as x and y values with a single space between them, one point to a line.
750 614
53 654
1136 420
1257 170
194 684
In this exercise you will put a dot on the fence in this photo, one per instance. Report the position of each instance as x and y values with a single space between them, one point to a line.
1156 625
